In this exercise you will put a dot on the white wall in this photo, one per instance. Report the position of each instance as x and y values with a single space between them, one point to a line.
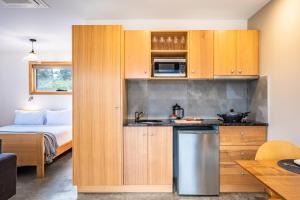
184 24
279 23
14 85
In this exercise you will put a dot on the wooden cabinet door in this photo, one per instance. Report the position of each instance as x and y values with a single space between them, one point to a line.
137 54
225 53
201 53
247 52
243 135
135 156
97 130
160 155
235 179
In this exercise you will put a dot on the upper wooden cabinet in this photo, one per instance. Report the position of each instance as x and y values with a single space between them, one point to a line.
224 52
247 52
97 120
200 62
148 156
137 54
236 53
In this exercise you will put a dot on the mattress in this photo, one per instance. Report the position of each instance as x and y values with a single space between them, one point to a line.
63 133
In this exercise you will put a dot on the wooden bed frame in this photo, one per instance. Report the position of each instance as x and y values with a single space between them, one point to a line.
29 149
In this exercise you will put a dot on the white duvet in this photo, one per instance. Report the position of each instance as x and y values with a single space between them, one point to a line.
63 133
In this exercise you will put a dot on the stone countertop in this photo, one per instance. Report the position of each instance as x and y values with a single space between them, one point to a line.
207 122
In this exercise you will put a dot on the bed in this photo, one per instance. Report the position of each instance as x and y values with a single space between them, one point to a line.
28 143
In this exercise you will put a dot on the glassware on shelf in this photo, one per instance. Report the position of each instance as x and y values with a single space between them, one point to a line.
169 43
154 43
182 42
162 43
175 43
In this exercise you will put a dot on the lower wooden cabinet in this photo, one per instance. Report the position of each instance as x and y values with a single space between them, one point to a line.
148 155
234 179
239 143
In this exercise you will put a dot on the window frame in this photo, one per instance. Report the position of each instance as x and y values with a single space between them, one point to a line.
46 64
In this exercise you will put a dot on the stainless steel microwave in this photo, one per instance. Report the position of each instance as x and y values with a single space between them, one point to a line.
169 67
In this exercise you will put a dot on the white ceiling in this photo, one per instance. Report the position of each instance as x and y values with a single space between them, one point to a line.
52 27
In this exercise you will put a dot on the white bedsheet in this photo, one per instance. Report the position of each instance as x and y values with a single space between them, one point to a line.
63 133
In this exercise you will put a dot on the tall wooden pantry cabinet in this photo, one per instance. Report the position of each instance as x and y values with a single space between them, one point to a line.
97 107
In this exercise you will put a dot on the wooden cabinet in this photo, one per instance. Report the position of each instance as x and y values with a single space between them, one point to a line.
148 156
160 155
135 156
236 53
242 135
97 108
200 62
224 53
137 54
239 143
247 52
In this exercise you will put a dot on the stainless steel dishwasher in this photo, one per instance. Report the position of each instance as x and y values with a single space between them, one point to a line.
198 161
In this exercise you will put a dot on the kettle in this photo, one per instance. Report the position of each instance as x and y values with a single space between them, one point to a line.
178 111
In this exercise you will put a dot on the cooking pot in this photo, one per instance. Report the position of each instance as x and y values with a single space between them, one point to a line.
233 117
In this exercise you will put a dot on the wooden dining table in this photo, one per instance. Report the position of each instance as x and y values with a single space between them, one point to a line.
281 183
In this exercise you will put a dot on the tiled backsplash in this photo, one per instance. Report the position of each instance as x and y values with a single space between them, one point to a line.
258 99
199 98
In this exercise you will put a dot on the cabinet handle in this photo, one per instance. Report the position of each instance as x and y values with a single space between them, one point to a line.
117 107
193 71
240 71
243 173
232 71
151 134
145 72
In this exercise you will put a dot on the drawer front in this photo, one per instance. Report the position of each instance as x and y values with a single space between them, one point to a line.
234 179
243 135
232 153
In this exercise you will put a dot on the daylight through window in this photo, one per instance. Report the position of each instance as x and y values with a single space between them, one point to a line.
51 78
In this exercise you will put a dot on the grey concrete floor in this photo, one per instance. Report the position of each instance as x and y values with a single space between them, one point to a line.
57 185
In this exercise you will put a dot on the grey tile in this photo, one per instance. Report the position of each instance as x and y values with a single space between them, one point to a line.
207 89
199 98
258 99
137 88
167 89
236 90
162 108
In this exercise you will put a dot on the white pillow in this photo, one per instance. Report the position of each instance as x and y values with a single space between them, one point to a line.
59 117
24 117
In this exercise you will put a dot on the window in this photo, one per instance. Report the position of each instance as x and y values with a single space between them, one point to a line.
50 78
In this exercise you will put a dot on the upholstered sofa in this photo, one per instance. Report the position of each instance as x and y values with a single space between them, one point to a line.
8 175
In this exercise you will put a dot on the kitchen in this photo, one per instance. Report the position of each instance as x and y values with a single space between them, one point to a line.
168 100
173 88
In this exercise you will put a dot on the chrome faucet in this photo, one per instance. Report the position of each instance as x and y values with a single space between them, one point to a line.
138 115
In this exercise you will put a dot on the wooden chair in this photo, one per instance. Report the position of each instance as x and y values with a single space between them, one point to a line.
277 150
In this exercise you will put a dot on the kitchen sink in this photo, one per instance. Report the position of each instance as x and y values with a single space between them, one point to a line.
149 121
